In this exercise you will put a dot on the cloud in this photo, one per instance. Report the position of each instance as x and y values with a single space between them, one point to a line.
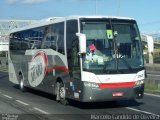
12 1
34 1
26 1
85 0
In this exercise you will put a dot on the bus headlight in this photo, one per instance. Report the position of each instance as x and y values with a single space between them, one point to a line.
139 82
91 84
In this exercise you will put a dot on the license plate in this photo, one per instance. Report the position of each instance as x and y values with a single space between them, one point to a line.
117 94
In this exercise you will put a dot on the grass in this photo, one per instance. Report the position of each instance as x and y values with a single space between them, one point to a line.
152 91
152 87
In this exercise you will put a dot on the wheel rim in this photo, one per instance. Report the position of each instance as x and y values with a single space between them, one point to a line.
62 93
21 84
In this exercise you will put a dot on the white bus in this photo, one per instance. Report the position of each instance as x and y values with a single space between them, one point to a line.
84 58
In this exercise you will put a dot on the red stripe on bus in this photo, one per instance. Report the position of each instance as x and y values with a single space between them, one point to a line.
116 85
63 68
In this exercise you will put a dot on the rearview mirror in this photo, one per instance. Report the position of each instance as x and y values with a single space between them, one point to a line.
82 42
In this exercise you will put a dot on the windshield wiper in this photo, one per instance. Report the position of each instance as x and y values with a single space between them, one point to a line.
104 69
127 64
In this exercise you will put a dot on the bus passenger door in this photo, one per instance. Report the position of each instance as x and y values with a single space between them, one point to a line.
74 63
72 46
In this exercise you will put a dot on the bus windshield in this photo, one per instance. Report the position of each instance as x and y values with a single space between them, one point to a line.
113 45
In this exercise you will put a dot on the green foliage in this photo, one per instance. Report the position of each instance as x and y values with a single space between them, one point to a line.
152 86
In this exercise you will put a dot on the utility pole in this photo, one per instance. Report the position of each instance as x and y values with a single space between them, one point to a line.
150 43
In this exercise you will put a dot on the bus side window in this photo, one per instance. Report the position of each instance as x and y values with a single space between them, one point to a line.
59 32
53 42
35 38
60 42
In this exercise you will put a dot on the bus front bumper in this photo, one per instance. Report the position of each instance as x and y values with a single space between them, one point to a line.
92 94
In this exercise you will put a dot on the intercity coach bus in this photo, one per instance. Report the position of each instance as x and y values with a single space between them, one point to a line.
84 58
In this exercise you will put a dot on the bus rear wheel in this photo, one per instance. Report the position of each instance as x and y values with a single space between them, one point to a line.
61 93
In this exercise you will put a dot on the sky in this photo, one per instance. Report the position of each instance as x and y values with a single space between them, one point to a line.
146 12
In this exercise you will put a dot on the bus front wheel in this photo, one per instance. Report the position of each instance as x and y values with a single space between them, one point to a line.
61 93
21 84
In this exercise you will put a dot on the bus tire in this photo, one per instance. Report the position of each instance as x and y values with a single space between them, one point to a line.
61 94
21 84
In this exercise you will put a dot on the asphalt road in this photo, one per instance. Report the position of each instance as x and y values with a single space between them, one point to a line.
36 105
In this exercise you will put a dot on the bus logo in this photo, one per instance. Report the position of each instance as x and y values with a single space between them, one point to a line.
37 68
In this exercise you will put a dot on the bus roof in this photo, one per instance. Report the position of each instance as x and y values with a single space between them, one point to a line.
51 20
114 17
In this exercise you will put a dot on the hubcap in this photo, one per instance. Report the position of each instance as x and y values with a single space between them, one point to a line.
21 84
62 92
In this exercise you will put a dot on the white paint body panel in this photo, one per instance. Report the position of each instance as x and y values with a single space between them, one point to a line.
115 78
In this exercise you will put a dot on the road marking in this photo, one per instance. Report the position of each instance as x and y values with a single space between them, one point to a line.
7 96
152 95
21 102
42 111
142 111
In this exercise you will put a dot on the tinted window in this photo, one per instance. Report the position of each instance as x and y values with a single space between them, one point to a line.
53 37
58 32
47 37
35 38
72 47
